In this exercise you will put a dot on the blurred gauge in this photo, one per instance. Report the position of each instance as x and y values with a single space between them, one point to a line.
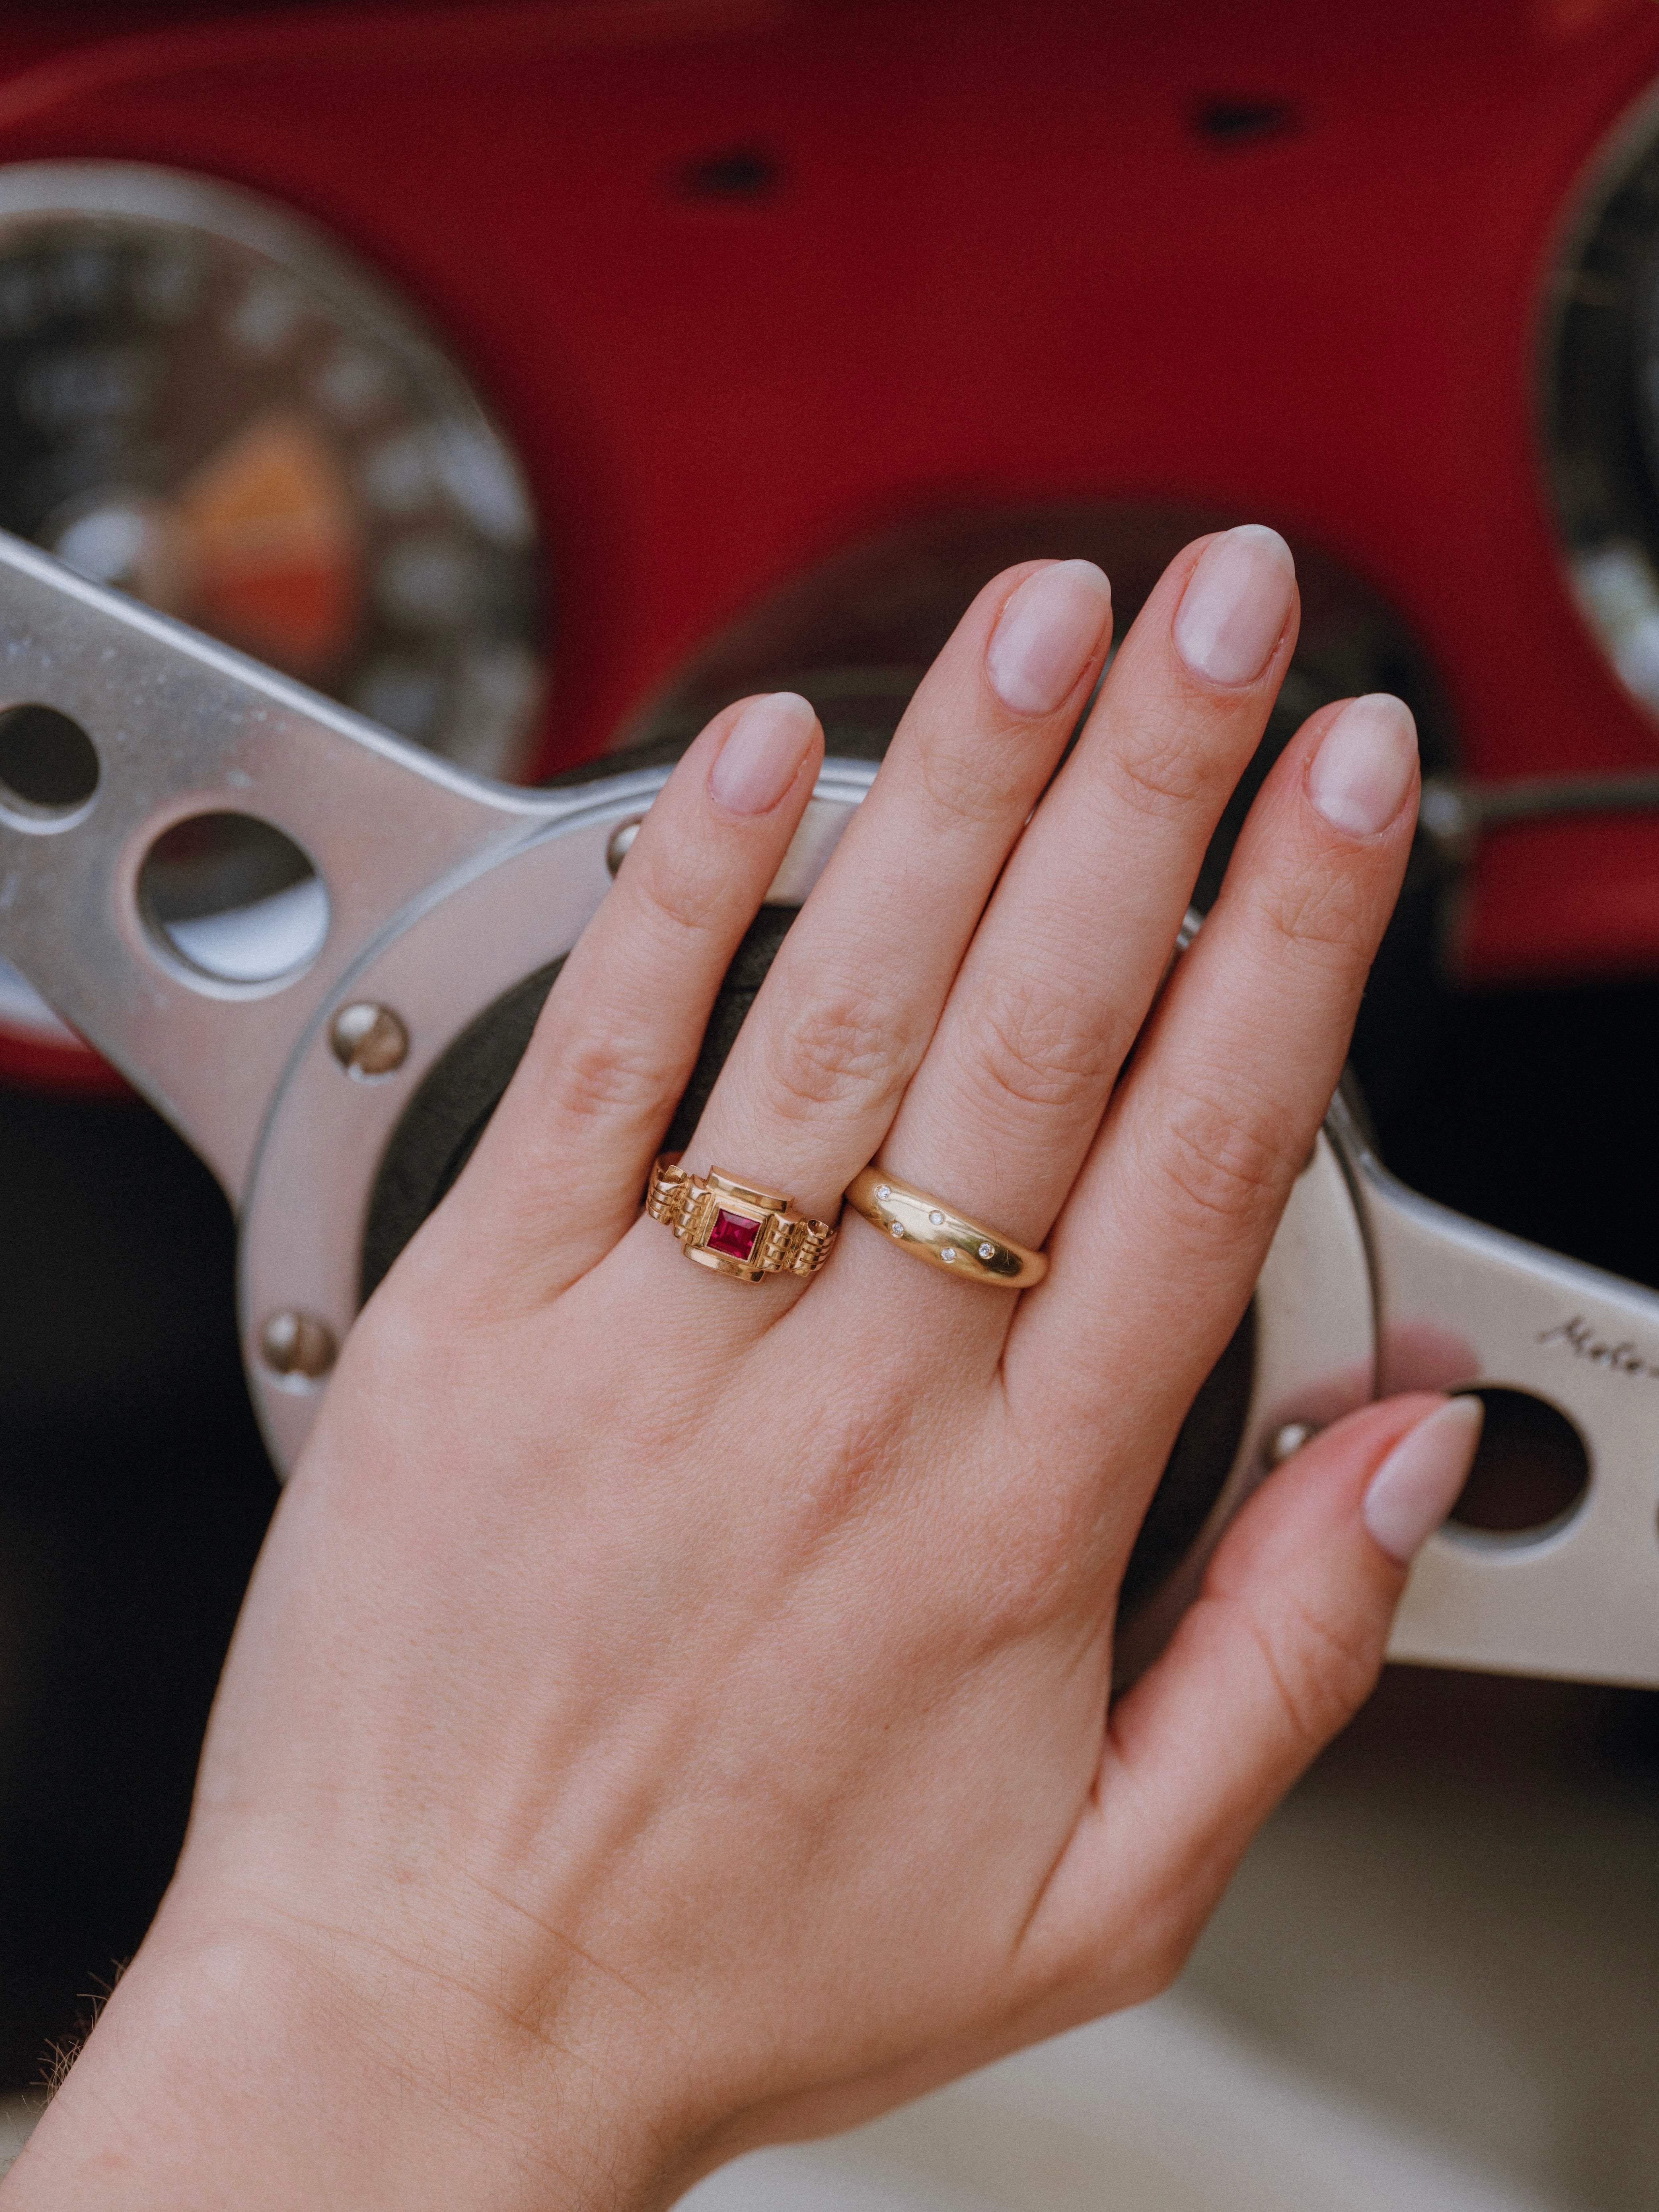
204 404
1602 406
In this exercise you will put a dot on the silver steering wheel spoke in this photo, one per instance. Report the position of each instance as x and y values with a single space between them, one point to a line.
298 1065
181 729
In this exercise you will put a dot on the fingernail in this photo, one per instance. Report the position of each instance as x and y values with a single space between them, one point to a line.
1236 606
1417 1485
1359 776
762 753
1046 634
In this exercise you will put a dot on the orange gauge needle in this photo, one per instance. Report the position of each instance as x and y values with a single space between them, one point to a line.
268 552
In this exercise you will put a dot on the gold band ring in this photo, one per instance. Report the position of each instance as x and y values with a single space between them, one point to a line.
930 1231
731 1227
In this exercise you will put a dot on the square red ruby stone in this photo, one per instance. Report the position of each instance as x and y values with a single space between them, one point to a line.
732 1235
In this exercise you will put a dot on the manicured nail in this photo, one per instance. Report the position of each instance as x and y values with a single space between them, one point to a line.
762 753
1046 636
1417 1485
1363 770
1236 606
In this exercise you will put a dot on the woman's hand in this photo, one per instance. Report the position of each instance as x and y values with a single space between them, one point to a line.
670 1715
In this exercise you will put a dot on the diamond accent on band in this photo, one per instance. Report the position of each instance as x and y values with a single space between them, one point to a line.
733 1235
927 1227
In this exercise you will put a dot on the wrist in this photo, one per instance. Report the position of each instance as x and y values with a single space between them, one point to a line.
240 2065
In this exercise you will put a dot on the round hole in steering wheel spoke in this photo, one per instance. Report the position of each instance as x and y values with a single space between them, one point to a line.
234 898
1531 1470
48 767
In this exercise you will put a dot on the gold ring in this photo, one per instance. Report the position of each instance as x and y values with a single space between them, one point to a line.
732 1227
933 1231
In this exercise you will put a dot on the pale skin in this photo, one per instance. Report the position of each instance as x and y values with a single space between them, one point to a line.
670 1715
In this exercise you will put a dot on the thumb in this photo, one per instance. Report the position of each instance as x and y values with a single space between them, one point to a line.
1285 1640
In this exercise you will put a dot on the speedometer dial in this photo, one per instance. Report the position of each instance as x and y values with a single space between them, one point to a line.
204 404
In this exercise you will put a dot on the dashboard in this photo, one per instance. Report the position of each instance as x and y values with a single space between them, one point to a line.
526 376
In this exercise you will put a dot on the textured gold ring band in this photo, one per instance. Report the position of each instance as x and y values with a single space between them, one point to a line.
930 1231
734 1228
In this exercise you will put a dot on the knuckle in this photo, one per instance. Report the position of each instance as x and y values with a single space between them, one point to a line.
1037 1536
600 1075
846 1462
1319 1677
1038 1563
1149 1947
1327 914
688 893
968 782
1038 1048
1226 1166
842 1048
1162 766
1155 1963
